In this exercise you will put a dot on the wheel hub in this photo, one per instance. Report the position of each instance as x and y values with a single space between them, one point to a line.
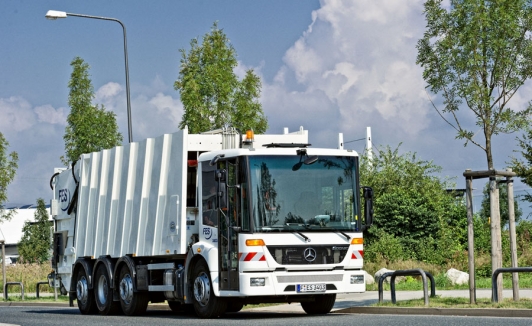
126 289
82 290
202 289
103 289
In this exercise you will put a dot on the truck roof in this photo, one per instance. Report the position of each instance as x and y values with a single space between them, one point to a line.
207 156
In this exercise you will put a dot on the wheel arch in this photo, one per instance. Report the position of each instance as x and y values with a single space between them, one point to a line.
191 263
88 266
109 266
126 260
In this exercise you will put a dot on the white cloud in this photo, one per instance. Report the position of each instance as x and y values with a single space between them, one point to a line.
165 104
107 91
16 114
47 113
155 115
354 66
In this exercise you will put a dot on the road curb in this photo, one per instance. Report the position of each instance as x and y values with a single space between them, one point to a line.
65 305
473 312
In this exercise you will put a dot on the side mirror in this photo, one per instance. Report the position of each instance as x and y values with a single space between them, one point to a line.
368 206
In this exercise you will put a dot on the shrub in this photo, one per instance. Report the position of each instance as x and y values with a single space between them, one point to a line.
384 247
29 275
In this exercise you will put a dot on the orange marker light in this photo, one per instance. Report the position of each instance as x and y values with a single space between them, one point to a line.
250 135
357 241
255 242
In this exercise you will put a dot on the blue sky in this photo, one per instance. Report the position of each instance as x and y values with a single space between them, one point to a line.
329 66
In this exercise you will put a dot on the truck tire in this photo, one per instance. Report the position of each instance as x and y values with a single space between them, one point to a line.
84 295
322 305
234 306
181 308
133 303
103 292
206 304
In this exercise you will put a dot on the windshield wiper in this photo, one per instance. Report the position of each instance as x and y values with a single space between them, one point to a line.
344 234
307 239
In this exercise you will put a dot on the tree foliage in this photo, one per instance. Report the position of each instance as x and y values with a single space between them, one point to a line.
485 212
478 53
523 167
34 246
8 169
210 91
90 128
413 207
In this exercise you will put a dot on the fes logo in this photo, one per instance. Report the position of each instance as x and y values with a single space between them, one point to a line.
64 199
207 233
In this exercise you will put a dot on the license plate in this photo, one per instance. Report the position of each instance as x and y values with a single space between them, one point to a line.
320 287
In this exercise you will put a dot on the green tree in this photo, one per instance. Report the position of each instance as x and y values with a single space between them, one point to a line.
34 246
210 91
523 168
90 128
413 207
484 212
8 169
478 53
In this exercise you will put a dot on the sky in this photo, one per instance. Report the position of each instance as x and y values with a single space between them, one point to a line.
330 66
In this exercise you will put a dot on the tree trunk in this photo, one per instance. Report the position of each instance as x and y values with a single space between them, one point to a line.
495 219
495 226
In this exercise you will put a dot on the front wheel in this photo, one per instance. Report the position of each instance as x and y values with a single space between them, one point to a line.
234 306
133 303
323 304
206 304
84 296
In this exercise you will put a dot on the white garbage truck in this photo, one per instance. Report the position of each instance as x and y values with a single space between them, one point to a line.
210 222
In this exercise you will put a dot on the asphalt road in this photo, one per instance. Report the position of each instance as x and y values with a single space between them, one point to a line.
349 309
29 315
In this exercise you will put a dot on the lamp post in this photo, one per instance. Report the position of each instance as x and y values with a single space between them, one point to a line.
54 14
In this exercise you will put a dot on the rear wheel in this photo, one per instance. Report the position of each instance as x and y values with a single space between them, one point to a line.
234 306
84 296
133 303
323 304
181 308
206 304
104 293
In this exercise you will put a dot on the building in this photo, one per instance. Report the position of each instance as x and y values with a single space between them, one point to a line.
11 231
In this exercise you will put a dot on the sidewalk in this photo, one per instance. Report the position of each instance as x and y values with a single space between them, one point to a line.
360 303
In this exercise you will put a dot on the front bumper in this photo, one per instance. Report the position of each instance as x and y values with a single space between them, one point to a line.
289 283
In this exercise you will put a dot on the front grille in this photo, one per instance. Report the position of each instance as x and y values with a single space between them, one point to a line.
310 278
309 255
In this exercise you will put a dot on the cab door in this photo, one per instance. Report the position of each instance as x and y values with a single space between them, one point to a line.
229 224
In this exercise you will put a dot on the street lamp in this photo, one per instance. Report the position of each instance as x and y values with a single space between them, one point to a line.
54 14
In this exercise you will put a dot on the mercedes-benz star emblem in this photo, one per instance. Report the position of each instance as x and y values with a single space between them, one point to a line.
309 254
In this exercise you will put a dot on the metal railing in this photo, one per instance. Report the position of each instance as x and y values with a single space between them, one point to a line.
494 287
409 272
13 283
38 287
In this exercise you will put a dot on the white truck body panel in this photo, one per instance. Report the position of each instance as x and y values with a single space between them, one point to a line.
133 196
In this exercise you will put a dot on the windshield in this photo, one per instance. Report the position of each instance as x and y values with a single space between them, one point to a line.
290 196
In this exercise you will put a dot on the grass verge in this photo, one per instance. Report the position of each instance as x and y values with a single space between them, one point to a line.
452 302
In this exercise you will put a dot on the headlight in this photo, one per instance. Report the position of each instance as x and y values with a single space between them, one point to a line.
257 281
357 279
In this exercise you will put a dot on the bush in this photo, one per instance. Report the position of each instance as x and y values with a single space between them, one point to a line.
29 275
384 247
412 208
